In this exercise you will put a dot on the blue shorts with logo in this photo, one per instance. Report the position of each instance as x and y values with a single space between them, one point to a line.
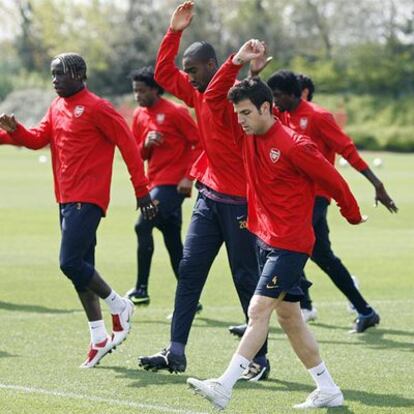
281 271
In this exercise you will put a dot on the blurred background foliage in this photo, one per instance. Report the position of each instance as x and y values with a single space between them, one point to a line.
359 54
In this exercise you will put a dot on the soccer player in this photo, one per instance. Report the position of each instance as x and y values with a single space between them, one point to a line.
314 121
220 211
83 131
168 140
282 168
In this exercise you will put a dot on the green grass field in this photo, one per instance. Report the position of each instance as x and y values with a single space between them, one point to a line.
44 335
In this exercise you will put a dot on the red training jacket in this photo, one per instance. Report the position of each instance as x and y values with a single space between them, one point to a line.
320 125
220 166
282 168
170 162
82 131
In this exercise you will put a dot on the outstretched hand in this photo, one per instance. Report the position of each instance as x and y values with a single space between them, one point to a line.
182 16
259 63
8 122
252 49
382 197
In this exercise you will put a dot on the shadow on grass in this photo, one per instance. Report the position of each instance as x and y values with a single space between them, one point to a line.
19 307
142 378
370 330
370 399
4 354
329 326
340 410
375 338
202 322
224 324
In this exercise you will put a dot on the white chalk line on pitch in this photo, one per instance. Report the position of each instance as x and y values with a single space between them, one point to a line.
71 395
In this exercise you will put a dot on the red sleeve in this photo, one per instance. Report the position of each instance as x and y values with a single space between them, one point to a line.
114 127
341 143
139 137
33 138
6 139
307 158
167 74
189 130
216 96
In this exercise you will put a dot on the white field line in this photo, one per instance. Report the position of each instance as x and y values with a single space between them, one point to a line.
110 401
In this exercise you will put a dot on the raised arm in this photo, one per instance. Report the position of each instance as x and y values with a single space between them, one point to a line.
167 73
114 127
307 158
34 138
342 144
218 88
259 63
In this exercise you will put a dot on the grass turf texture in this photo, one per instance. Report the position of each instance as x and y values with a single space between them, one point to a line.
44 335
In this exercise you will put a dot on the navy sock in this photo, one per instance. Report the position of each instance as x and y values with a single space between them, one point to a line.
177 348
367 313
261 360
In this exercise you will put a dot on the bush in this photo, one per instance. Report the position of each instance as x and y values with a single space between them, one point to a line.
364 137
367 142
400 144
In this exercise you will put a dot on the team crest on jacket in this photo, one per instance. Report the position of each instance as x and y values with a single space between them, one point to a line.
160 118
78 111
303 122
274 154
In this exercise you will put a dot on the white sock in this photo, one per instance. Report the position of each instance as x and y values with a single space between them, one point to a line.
115 302
98 331
233 372
322 377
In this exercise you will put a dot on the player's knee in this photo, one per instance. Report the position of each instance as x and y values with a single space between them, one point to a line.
258 309
289 320
79 273
190 268
70 267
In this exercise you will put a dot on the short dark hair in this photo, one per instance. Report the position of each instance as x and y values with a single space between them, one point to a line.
74 64
285 81
252 88
146 75
201 51
306 83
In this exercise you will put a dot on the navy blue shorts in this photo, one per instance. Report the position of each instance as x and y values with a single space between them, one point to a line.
281 271
79 223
